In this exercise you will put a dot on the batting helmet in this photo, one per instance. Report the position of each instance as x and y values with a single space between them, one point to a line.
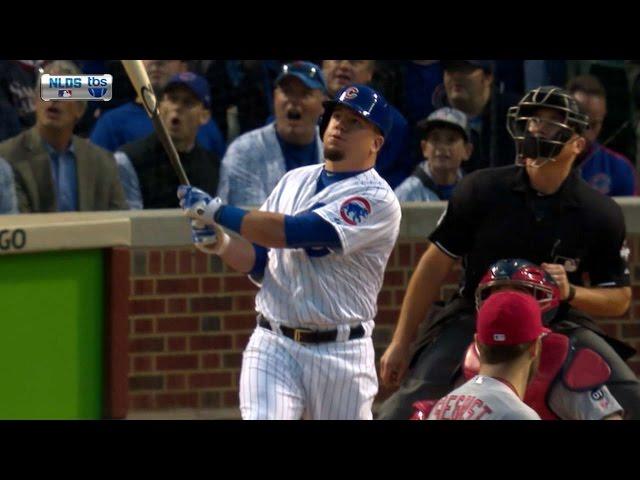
515 272
363 100
528 145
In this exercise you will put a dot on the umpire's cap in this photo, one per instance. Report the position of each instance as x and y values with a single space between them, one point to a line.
363 100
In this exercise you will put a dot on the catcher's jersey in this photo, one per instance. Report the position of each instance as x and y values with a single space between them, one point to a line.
320 288
595 404
482 398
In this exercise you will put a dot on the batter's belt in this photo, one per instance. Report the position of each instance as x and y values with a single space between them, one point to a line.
305 335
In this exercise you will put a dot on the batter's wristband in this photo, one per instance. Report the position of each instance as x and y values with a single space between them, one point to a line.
572 293
230 217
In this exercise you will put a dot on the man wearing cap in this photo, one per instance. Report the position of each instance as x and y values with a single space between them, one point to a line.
130 121
257 160
145 170
318 248
395 161
508 338
445 145
538 209
469 86
604 169
560 384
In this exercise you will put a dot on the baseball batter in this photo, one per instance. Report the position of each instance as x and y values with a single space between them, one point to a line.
508 332
318 247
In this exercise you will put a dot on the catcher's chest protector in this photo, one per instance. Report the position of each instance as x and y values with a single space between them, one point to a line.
555 350
581 369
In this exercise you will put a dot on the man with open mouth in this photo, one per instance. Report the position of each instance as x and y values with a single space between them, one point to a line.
145 170
257 160
55 170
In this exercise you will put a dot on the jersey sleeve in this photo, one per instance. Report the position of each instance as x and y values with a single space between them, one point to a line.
588 405
363 219
608 266
454 231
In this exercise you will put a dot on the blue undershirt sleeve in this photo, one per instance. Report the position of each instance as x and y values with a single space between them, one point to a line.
260 262
310 230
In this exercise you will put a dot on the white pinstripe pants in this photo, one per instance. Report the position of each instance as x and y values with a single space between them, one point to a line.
285 380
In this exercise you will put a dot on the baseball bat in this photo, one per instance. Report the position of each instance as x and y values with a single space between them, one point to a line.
140 80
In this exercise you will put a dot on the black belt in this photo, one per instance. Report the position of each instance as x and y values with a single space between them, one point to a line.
304 335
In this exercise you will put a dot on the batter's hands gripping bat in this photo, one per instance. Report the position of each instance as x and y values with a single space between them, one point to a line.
140 80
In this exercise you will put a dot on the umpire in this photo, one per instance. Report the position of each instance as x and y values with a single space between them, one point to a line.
539 209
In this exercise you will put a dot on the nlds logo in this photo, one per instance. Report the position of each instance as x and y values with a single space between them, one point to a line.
76 87
65 82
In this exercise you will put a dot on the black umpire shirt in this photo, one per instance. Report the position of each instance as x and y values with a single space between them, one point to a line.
494 213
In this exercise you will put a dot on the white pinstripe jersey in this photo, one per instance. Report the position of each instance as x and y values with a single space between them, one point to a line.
319 288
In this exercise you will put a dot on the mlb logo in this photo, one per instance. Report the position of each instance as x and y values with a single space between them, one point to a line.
64 93
499 337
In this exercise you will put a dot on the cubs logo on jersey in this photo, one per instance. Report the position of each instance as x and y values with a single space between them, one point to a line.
601 182
354 210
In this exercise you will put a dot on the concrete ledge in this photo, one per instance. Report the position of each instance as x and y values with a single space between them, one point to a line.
169 228
63 231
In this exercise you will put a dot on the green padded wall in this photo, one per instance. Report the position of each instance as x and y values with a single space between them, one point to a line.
51 335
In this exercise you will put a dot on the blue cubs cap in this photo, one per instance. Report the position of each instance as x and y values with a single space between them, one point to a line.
366 102
486 65
309 73
445 117
197 84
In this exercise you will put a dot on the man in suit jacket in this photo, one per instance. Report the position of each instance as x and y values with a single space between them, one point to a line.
56 170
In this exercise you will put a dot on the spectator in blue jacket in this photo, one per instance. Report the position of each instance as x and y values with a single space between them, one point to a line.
257 160
607 171
445 144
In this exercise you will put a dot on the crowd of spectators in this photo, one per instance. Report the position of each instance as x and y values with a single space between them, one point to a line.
240 125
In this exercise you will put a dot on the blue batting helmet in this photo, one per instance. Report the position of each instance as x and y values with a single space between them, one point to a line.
363 100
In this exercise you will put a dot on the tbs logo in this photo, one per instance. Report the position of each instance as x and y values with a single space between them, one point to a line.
97 92
97 86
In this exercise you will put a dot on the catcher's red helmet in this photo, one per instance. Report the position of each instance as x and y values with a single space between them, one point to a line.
522 274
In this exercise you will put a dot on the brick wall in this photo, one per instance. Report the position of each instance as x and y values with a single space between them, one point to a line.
191 317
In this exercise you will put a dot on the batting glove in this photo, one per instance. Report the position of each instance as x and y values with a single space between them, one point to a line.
209 238
198 204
